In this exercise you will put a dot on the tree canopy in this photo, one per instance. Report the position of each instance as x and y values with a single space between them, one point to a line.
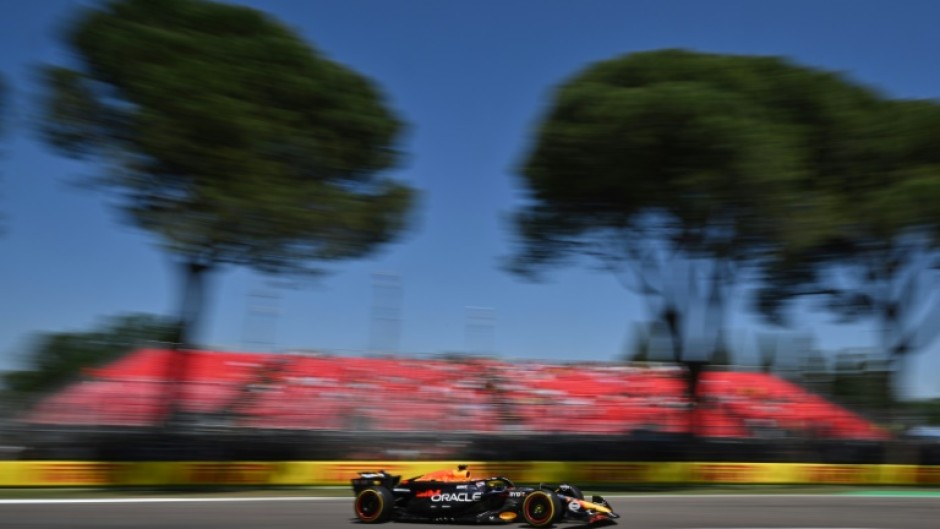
875 252
676 167
227 136
670 166
714 142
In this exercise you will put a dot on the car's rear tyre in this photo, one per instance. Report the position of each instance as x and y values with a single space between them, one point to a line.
374 505
541 508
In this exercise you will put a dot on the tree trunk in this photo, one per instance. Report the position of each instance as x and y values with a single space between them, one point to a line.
674 320
192 301
895 347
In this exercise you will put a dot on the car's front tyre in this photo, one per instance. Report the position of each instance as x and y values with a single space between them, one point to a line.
374 505
541 508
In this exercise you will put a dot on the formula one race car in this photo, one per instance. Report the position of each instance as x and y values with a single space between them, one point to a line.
453 496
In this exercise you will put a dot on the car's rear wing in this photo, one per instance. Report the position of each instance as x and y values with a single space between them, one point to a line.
373 479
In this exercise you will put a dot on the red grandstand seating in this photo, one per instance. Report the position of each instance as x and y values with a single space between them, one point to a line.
340 392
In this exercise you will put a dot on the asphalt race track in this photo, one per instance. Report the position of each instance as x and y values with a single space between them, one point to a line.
639 512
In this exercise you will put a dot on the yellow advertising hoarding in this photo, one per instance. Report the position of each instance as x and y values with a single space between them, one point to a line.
590 473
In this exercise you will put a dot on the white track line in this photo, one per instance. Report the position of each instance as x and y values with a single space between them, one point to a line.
740 496
54 501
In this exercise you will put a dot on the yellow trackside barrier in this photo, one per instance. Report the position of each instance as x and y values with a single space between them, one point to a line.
590 473
733 473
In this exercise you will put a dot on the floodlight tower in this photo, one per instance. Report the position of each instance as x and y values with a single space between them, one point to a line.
385 328
260 329
480 330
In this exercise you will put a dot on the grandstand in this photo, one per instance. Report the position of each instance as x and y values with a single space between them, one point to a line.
319 392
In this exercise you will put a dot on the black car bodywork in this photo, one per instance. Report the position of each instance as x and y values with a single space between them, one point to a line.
455 497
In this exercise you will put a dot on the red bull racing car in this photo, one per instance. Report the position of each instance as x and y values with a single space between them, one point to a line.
453 496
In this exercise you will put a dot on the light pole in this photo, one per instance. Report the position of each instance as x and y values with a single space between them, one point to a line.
385 328
480 331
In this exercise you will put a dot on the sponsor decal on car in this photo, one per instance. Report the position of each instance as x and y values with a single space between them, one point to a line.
436 495
456 496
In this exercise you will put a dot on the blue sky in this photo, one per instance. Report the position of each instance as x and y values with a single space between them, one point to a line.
471 78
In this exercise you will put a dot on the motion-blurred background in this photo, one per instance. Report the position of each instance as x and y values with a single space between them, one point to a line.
430 230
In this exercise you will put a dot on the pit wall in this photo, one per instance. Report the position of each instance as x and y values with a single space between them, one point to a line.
315 473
